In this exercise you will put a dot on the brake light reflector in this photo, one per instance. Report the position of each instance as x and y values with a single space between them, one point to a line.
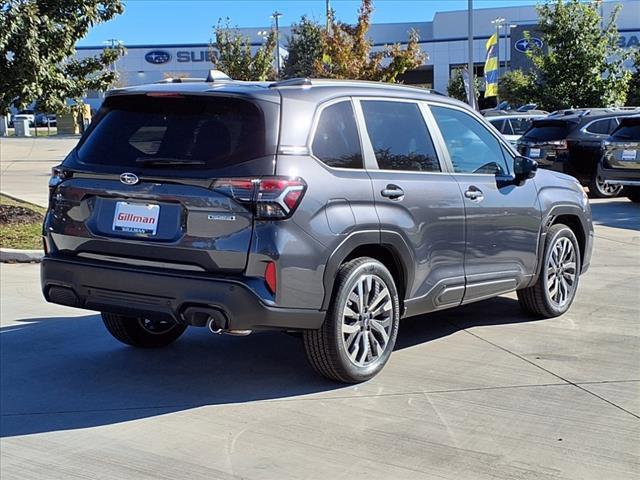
270 277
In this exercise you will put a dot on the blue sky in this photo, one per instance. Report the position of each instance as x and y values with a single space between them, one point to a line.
191 21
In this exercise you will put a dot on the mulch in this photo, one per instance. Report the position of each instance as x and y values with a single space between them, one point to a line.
14 215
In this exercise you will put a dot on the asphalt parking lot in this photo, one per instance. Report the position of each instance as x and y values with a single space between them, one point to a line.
479 392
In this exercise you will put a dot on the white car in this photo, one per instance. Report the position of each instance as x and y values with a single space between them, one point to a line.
513 125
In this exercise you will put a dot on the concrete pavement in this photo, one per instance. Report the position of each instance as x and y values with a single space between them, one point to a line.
479 392
25 165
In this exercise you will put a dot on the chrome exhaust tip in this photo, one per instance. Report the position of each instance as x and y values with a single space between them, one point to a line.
213 326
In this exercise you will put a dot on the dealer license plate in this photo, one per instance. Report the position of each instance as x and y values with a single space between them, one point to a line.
136 218
534 152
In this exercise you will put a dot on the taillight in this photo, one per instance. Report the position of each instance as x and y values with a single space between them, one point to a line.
272 198
58 175
559 144
270 277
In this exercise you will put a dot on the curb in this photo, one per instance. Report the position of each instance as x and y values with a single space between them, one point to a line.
18 199
13 255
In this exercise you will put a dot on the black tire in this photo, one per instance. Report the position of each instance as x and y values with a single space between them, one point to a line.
537 298
140 332
598 190
325 348
633 194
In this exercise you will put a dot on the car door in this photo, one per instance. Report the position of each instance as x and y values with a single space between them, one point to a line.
416 199
502 219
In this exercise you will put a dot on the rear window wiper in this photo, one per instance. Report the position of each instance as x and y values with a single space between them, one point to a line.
167 161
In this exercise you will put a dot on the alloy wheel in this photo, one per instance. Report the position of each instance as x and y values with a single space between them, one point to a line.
607 189
367 320
562 272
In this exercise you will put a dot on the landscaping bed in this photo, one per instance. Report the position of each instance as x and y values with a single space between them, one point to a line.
20 224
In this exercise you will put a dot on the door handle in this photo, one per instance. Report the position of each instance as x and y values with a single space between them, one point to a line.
474 194
393 192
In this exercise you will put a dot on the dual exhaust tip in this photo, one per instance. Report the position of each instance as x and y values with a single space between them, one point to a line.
214 319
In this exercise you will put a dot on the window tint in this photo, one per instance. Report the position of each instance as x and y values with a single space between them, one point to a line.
600 127
629 130
545 130
498 124
399 136
336 141
520 125
472 148
188 132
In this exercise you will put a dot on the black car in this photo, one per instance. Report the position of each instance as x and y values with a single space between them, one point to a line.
570 141
620 162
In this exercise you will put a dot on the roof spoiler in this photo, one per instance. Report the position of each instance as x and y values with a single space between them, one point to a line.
213 76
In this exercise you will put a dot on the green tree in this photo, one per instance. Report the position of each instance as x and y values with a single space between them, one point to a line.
305 47
455 87
633 96
37 42
348 52
231 53
518 88
583 64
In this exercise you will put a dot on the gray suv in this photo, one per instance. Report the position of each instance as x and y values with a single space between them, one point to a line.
329 208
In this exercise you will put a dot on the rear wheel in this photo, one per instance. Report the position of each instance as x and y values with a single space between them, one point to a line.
557 283
142 332
598 188
633 194
361 327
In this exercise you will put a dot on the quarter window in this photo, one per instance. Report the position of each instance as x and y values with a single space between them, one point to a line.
600 127
472 148
399 136
336 142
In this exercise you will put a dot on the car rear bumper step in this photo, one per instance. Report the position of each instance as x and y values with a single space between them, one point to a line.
166 296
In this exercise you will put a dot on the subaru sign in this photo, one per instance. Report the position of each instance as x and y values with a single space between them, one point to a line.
526 44
157 57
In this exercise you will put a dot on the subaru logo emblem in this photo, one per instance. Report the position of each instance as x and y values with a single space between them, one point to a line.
157 57
129 178
525 44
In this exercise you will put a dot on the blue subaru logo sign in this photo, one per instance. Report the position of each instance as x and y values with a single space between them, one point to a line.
525 44
157 57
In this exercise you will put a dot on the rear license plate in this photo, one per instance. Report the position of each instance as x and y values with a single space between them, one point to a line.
534 152
136 218
629 155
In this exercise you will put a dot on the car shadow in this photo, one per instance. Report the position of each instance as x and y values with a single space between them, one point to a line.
68 373
616 213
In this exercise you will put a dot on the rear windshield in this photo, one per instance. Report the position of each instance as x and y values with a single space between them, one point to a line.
548 130
629 129
174 132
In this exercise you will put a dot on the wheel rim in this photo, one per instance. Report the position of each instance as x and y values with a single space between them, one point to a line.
367 320
607 189
562 274
156 327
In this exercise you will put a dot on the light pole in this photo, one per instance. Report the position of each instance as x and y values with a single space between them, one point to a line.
276 16
507 44
328 14
471 97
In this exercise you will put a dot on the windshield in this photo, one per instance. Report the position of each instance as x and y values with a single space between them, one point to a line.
183 131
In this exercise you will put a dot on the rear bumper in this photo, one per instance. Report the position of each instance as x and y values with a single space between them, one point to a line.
161 295
620 176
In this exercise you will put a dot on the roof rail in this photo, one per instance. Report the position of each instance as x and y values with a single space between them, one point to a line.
292 82
213 76
180 80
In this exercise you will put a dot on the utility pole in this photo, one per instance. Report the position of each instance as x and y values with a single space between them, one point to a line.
471 99
276 16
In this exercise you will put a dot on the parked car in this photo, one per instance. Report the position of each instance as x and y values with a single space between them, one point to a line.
513 125
331 208
620 162
28 115
570 141
45 119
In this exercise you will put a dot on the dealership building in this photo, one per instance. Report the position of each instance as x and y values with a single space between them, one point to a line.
444 40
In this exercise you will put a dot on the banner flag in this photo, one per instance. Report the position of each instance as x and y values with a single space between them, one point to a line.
491 67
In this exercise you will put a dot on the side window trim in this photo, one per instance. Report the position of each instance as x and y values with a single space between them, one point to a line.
370 162
437 133
314 127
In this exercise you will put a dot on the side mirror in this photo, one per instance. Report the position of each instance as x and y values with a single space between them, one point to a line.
523 168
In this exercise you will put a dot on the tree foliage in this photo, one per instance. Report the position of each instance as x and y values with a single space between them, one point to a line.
305 47
633 96
518 88
231 53
583 65
348 52
456 88
37 40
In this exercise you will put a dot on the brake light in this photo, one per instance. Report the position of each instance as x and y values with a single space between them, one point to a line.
270 277
58 175
560 144
271 198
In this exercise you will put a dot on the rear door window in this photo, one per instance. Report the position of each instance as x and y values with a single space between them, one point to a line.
600 127
399 136
139 131
336 142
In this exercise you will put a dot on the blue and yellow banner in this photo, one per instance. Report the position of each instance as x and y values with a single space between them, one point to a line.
491 67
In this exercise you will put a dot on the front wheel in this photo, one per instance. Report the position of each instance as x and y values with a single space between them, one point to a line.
557 283
142 332
598 188
360 331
